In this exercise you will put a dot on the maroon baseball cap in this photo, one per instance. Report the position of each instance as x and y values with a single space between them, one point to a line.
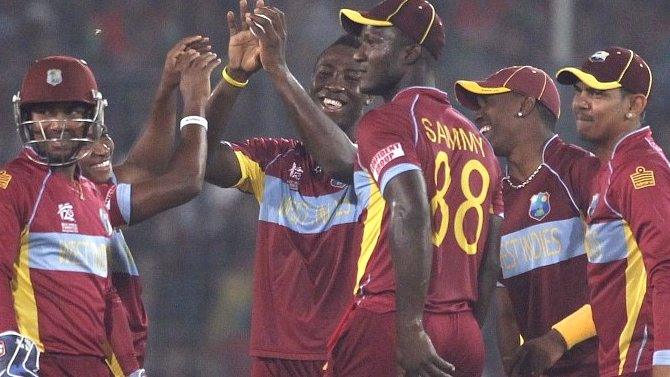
611 68
59 79
417 19
526 80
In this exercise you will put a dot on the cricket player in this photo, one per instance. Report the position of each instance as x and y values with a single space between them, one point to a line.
543 295
429 183
308 232
56 225
627 242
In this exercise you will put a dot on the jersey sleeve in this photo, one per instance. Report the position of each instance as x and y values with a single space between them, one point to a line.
641 195
576 167
254 155
387 144
118 203
14 213
119 334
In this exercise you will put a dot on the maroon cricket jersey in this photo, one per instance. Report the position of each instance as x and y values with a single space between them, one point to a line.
419 130
628 246
306 249
54 238
126 280
542 251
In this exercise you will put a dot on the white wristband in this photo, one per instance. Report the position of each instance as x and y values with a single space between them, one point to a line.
193 119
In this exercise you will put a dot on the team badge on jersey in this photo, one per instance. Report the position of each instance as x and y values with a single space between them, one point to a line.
539 206
4 179
66 213
294 176
593 205
643 178
54 77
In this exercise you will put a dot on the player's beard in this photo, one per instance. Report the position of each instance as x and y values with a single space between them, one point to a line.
60 153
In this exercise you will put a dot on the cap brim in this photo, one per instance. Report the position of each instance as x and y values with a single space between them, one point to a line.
467 92
571 75
353 21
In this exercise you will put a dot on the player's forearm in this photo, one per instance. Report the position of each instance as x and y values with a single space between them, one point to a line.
411 246
660 281
149 155
576 327
508 331
489 271
178 185
325 141
220 107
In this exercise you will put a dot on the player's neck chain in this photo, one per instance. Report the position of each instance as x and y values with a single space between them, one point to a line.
524 183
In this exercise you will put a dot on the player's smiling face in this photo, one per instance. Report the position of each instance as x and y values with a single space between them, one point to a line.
495 119
97 165
55 124
380 54
599 114
336 85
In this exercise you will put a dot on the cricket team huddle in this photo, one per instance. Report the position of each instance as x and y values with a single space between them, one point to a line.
384 235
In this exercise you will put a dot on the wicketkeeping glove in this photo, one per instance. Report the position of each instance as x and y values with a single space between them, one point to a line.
19 356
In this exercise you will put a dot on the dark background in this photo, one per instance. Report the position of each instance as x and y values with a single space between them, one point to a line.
196 260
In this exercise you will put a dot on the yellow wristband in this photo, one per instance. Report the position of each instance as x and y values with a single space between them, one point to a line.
231 81
577 327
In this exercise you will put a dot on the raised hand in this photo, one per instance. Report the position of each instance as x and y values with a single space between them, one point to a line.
195 83
268 24
243 47
416 355
171 69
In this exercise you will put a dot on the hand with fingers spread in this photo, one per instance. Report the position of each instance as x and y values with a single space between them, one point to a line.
195 85
416 355
171 69
268 24
243 47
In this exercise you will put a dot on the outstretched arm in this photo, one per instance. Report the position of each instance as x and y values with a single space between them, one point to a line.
412 255
223 169
151 153
184 179
325 141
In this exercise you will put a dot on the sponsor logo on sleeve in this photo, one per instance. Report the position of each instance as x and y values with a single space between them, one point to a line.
5 178
642 178
383 157
539 206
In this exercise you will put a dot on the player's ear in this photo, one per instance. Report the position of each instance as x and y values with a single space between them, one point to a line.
637 104
527 106
412 53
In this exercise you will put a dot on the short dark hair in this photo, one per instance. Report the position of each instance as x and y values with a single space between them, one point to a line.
547 116
347 40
